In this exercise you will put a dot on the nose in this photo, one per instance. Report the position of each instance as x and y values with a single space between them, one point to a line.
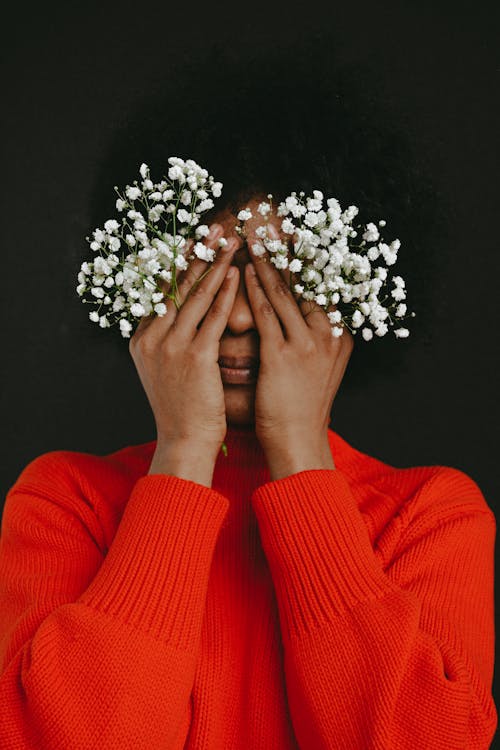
241 317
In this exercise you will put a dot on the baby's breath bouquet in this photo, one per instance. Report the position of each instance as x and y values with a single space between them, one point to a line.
149 245
161 225
331 266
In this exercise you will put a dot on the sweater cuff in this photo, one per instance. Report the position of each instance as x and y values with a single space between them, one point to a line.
155 574
318 547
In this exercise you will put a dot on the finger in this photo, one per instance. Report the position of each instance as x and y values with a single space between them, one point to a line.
263 311
201 295
277 291
188 278
315 315
179 288
215 321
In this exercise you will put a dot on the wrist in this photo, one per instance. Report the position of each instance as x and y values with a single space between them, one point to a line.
186 461
289 458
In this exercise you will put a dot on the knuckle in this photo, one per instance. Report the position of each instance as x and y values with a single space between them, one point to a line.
198 291
195 356
266 308
217 309
146 346
281 288
308 347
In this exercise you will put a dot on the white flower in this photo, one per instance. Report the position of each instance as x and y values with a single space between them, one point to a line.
264 209
320 299
120 204
288 226
313 204
401 310
176 173
295 266
119 303
160 309
201 230
137 310
311 219
367 334
357 319
244 214
217 189
111 225
258 249
104 322
183 215
203 252
133 193
144 170
381 329
401 333
97 291
94 316
334 316
205 205
398 293
125 327
280 261
372 233
336 331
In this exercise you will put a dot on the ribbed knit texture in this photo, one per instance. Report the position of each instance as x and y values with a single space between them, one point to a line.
344 608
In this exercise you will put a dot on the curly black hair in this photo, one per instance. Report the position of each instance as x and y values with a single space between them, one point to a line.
295 119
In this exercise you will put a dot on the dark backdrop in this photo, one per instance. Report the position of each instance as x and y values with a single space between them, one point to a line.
71 76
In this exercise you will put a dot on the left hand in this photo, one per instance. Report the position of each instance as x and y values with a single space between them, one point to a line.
301 368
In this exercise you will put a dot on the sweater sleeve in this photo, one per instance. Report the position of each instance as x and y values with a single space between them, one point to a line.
99 650
376 659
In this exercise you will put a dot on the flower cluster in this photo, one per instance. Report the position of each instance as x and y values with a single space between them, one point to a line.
160 231
328 266
159 227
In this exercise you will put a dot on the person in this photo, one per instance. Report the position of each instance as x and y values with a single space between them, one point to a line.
294 593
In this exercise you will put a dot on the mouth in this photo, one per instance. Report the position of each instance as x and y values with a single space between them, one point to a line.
239 370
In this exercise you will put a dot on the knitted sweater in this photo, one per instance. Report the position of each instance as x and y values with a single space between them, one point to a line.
345 608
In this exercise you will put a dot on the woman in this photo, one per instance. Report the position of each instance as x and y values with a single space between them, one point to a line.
296 593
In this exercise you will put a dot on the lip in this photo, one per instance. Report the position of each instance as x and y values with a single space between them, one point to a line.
236 363
239 370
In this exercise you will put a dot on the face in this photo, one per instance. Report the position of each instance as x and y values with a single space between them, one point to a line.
241 337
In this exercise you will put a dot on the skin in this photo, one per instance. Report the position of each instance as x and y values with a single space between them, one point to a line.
301 363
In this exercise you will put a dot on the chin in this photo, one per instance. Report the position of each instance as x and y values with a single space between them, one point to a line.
240 404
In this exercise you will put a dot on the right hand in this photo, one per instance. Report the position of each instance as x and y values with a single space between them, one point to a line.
177 359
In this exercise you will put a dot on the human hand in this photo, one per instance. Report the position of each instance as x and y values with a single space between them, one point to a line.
177 358
301 367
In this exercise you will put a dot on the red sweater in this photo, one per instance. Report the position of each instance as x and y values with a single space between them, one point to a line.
343 608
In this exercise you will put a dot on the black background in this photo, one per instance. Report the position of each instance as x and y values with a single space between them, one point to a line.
71 75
